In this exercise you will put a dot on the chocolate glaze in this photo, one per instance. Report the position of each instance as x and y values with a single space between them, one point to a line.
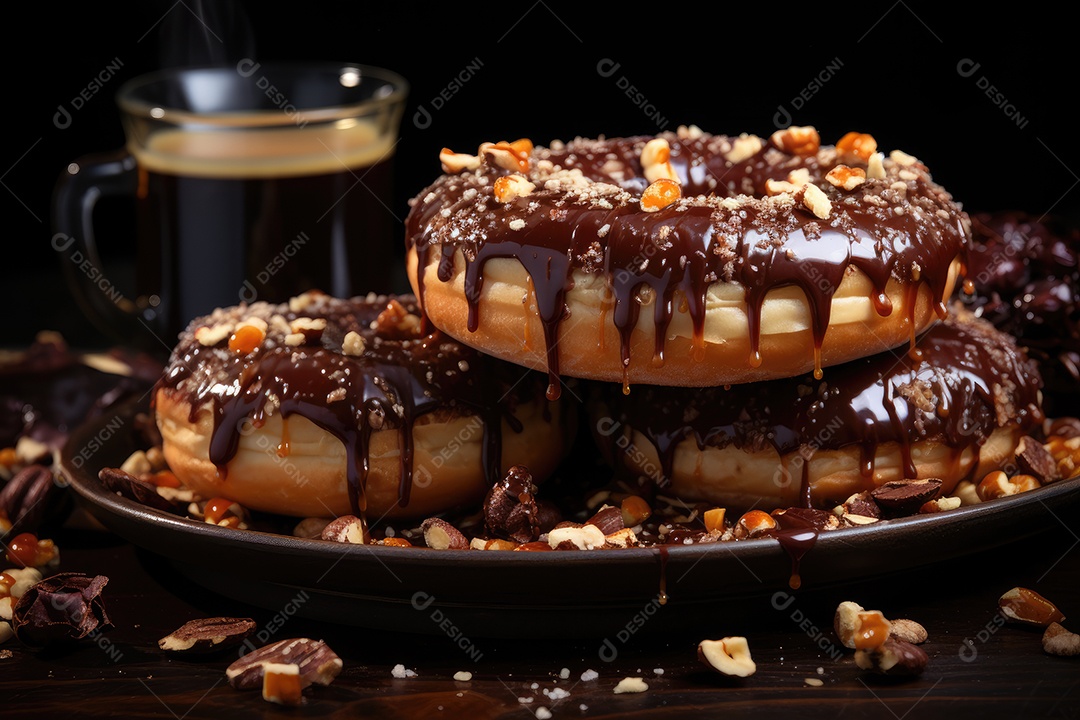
1026 280
966 380
585 215
400 376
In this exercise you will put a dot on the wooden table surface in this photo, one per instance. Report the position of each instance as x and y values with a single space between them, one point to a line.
978 667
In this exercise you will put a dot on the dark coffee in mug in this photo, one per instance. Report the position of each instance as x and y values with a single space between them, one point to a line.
265 214
254 182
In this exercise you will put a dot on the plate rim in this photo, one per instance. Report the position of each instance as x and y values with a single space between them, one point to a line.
90 489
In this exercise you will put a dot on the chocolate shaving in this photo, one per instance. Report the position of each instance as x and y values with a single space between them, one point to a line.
59 610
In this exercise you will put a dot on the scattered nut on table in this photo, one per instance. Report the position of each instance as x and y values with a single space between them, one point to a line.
908 631
893 657
860 629
205 635
729 655
317 664
1059 641
1027 607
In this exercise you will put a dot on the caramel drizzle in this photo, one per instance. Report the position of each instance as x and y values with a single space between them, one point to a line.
681 251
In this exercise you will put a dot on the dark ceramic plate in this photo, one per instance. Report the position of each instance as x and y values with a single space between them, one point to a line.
517 595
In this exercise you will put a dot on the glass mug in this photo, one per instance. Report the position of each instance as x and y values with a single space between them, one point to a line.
253 182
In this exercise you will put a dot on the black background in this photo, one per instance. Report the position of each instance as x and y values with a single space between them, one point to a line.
727 68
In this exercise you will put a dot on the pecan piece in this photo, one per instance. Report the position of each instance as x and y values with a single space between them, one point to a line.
317 663
32 499
206 635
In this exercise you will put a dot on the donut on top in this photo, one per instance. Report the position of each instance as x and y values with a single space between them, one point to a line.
322 406
684 258
952 409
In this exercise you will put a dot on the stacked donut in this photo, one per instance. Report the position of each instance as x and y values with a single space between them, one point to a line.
762 322
322 407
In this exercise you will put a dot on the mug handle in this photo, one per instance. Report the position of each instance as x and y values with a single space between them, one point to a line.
77 191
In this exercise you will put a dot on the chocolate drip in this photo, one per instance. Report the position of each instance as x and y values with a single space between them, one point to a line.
399 377
725 230
967 381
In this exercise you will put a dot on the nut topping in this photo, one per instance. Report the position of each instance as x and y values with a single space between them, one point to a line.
714 519
730 656
246 338
754 523
635 510
656 162
743 147
816 201
847 178
998 485
587 537
345 529
797 140
660 194
509 156
608 520
441 535
875 167
856 147
454 163
508 187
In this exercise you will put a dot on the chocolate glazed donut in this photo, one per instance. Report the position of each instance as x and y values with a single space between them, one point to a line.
684 259
953 409
326 406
